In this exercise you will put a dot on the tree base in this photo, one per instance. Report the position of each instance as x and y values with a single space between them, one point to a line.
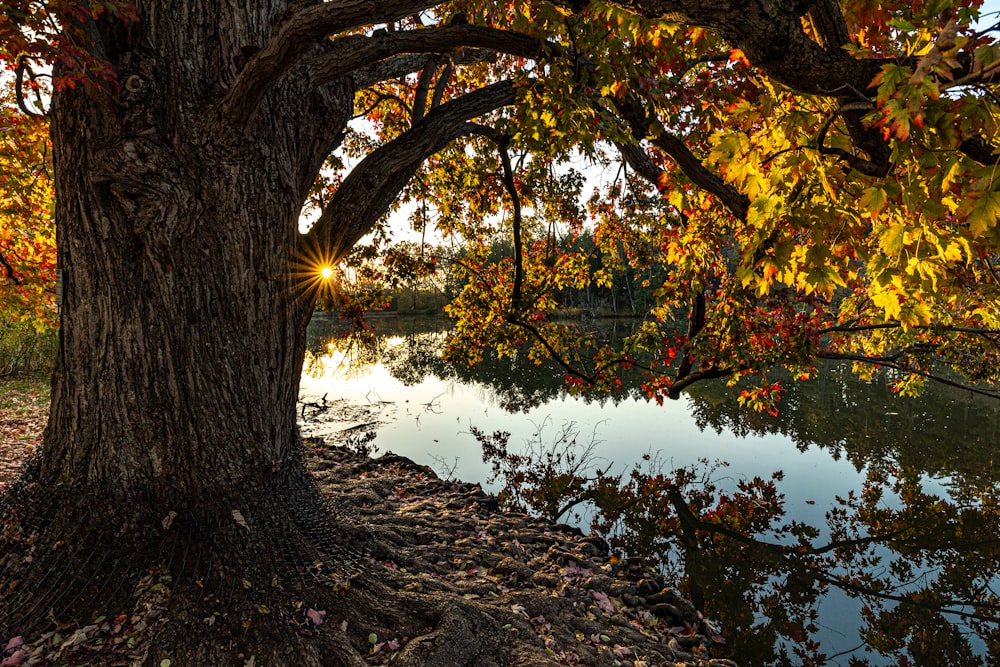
380 561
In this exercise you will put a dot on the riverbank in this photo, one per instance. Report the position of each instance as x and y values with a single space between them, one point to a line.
547 594
509 589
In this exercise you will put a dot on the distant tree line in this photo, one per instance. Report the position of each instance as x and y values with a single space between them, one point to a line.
619 292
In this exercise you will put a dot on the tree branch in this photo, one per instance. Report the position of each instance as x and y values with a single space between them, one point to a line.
371 187
734 200
641 164
515 200
349 54
875 169
442 84
771 35
22 68
828 24
391 68
852 328
296 36
421 91
889 362
11 274
641 122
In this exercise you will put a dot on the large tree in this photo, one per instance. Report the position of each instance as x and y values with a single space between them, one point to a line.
824 186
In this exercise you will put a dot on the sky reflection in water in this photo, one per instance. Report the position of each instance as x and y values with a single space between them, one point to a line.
830 433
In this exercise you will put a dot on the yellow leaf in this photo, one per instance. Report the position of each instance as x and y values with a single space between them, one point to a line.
873 200
949 174
983 215
891 239
888 301
914 313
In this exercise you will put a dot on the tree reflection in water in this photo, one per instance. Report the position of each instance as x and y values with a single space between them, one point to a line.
917 545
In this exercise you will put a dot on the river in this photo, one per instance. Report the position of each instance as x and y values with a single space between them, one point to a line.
854 461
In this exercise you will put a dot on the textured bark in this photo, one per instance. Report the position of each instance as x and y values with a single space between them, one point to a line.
182 323
298 32
172 446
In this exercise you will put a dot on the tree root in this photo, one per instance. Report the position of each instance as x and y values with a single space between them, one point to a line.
386 564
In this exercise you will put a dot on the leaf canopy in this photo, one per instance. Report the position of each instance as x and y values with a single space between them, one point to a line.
790 184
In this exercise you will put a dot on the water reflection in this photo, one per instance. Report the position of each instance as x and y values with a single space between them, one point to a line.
944 433
412 348
902 563
928 585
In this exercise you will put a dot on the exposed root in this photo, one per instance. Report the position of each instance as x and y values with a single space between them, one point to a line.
388 564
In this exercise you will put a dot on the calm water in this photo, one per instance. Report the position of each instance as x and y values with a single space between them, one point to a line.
832 435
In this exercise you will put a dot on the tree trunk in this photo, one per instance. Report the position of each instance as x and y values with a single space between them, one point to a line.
182 326
172 452
184 311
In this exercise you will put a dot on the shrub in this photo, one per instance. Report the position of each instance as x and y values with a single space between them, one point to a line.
26 351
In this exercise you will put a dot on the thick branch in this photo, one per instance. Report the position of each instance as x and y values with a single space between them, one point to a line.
348 54
402 65
828 23
771 35
296 36
369 190
735 201
683 383
442 84
423 88
642 164
389 69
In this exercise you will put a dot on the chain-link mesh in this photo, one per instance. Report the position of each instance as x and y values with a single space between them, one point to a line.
69 555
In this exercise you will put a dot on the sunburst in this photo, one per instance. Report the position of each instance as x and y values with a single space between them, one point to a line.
313 272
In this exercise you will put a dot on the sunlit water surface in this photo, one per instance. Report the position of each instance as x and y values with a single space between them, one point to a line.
428 419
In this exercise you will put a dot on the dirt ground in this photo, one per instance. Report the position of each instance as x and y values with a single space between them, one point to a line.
24 406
